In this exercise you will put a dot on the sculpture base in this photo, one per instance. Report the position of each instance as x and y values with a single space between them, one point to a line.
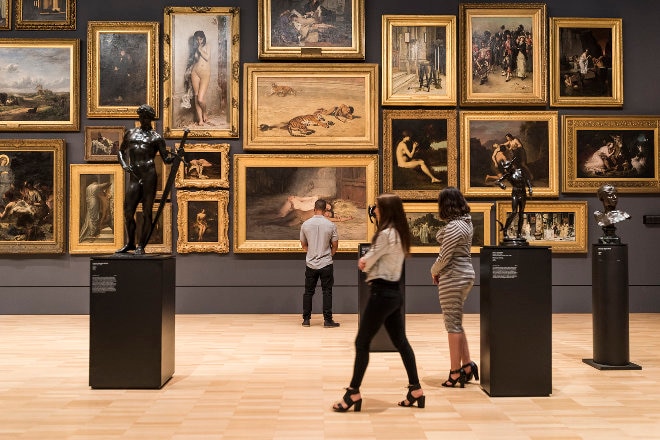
516 242
596 365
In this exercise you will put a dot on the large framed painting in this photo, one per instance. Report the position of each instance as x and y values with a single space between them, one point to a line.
203 221
96 213
59 15
419 53
311 29
424 223
310 107
586 62
160 241
5 15
40 86
102 142
503 54
622 150
201 52
32 219
275 193
529 139
558 224
122 68
206 166
419 152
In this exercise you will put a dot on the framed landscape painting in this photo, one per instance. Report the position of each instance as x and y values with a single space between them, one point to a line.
59 15
102 143
42 90
310 107
32 212
311 29
527 138
419 53
96 214
201 52
503 54
586 62
5 15
560 225
206 166
275 193
621 150
122 68
419 152
202 221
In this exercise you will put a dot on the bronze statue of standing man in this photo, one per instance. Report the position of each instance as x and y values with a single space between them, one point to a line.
520 185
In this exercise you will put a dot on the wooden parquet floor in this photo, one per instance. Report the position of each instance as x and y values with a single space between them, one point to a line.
266 377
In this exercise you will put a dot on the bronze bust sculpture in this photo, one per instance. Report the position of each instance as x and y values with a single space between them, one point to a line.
610 215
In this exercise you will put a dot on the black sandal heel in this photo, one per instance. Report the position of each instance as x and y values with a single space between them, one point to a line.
349 402
421 400
474 371
461 379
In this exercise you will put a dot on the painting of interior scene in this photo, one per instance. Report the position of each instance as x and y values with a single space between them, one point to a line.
311 23
586 61
26 189
419 60
545 226
279 200
38 10
615 153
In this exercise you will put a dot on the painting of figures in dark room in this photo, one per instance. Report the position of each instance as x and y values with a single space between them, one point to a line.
616 154
123 69
279 200
44 10
586 62
311 23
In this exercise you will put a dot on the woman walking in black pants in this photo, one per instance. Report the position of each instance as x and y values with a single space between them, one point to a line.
383 264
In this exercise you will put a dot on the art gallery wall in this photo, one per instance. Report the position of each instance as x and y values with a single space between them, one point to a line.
272 283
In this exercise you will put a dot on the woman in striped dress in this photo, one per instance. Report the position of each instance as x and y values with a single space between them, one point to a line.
454 275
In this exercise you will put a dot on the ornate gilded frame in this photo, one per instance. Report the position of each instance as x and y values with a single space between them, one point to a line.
207 166
114 133
190 205
25 19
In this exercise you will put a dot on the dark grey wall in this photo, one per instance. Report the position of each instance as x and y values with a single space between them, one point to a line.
273 283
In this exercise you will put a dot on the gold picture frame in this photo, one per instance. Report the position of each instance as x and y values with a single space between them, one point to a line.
55 105
122 68
202 221
424 222
483 134
96 211
59 15
310 107
586 62
481 80
419 146
5 15
425 80
272 193
318 31
102 142
160 241
36 167
206 166
217 25
558 224
622 150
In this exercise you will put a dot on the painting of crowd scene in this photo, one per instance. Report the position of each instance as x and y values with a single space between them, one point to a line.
545 226
615 154
425 226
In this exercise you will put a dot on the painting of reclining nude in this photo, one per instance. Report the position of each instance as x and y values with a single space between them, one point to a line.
273 199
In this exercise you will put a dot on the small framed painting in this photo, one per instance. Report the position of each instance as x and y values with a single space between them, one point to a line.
203 221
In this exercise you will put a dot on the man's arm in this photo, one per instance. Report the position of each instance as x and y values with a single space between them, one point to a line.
334 245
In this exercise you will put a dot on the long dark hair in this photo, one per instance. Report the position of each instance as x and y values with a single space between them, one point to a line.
452 204
390 210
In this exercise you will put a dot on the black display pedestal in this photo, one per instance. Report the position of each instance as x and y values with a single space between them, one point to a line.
131 328
382 341
516 321
609 298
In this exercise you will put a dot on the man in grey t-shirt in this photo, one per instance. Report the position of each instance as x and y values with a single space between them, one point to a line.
318 237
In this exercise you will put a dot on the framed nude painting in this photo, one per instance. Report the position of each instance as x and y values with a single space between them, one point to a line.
503 54
558 224
206 166
122 68
310 107
621 150
419 152
201 52
586 62
275 193
52 102
311 29
424 224
419 53
59 15
202 221
528 139
5 15
96 219
32 212
102 143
